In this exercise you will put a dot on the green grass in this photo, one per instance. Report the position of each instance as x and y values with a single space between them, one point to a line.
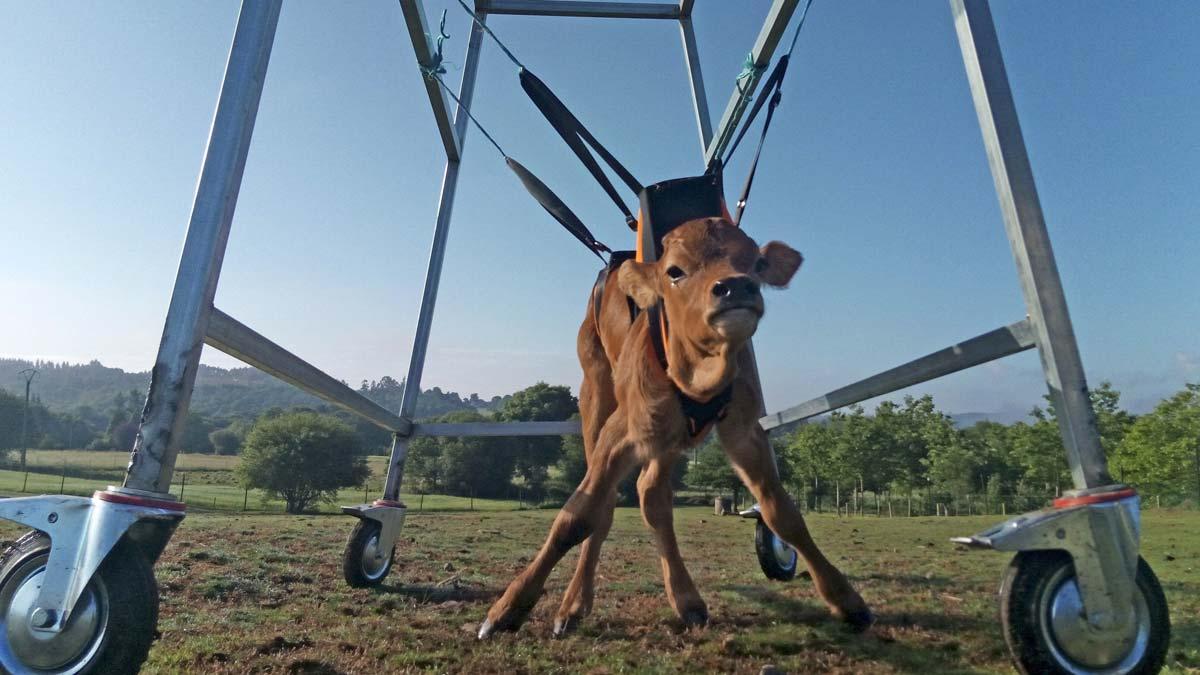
263 593
205 481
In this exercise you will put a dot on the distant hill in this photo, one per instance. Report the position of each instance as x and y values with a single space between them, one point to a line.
219 392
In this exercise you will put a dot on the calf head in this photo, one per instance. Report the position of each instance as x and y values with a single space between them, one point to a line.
709 278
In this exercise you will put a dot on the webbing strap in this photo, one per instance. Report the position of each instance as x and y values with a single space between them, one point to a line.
556 208
772 91
578 138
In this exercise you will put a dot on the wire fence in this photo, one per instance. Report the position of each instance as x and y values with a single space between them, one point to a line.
215 488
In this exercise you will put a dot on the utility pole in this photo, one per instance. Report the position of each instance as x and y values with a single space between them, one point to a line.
28 374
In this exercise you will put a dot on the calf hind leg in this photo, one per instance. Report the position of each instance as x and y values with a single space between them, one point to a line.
577 600
654 489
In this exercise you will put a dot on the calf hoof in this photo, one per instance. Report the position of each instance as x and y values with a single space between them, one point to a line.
695 618
566 625
507 622
859 620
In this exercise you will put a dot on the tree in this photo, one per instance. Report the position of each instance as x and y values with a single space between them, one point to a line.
1161 451
479 466
534 455
302 458
806 452
712 469
571 467
225 441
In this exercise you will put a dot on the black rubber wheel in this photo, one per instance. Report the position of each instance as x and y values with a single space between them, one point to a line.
362 562
777 559
110 629
1043 624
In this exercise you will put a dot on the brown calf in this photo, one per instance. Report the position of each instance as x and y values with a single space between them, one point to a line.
708 279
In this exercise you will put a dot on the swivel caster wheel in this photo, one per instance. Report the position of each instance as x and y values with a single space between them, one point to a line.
363 563
1042 616
777 559
109 631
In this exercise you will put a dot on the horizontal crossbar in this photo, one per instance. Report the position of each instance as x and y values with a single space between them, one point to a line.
239 341
580 8
568 428
987 347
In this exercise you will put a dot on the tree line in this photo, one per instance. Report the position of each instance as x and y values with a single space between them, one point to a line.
911 448
901 449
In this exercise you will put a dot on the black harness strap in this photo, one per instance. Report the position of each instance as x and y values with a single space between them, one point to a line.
556 208
614 262
701 415
575 134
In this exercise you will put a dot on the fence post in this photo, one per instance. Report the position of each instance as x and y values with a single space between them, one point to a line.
25 482
182 484
63 485
246 499
1003 508
837 497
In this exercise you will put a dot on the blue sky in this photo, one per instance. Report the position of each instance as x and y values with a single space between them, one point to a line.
874 170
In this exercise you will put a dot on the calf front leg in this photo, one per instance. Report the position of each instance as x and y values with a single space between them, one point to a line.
654 489
577 520
751 455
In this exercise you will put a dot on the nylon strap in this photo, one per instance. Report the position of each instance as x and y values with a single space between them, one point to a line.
772 91
556 208
578 138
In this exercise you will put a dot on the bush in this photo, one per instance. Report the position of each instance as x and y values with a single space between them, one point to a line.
301 458
225 442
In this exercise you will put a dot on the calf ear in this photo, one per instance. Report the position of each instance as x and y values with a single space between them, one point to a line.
782 261
639 281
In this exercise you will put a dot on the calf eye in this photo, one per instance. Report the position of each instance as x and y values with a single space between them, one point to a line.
675 273
760 266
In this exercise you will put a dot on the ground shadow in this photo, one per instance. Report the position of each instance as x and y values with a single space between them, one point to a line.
882 642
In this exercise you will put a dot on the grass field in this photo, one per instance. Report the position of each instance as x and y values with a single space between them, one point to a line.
263 593
206 482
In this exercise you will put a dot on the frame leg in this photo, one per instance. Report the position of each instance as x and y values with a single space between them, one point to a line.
1101 535
153 458
1026 227
433 275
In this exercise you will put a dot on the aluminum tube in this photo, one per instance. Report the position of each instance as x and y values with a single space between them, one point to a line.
418 32
1034 257
241 342
699 98
433 274
153 458
581 8
987 347
764 48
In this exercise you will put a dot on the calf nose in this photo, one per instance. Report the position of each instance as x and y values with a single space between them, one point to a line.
735 287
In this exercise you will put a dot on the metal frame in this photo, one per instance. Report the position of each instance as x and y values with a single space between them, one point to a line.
192 320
